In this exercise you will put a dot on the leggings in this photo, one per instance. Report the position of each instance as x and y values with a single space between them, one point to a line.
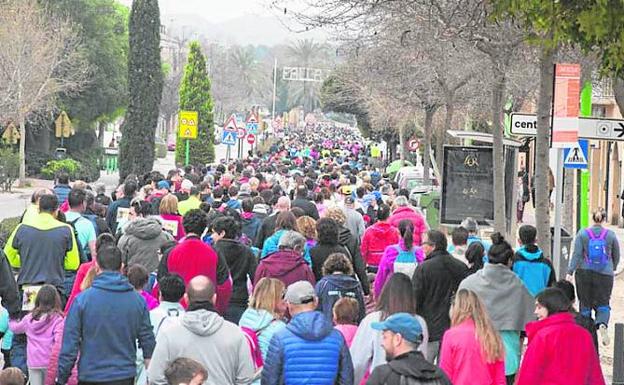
594 293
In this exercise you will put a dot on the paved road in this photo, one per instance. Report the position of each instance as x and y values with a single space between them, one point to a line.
13 204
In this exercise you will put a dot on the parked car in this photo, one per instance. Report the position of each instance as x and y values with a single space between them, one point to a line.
171 146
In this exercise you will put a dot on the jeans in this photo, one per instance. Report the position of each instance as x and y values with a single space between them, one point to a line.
594 293
18 352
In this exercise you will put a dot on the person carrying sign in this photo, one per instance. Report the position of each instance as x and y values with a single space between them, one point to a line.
596 256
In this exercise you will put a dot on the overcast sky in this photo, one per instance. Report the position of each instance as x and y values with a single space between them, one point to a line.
213 10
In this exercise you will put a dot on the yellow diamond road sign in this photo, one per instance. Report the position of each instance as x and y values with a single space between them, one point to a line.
187 129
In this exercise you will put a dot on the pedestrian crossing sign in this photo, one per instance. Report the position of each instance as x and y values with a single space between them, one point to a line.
187 127
229 137
576 156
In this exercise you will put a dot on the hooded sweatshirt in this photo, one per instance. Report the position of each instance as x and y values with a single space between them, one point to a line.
203 335
309 347
335 286
376 239
286 265
271 245
103 324
142 241
411 365
535 271
251 224
41 334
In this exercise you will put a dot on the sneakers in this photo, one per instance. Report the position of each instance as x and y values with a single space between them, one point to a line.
604 334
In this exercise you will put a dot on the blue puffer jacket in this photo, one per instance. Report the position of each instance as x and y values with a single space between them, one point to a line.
308 351
535 271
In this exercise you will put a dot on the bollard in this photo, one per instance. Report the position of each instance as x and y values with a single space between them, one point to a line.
618 355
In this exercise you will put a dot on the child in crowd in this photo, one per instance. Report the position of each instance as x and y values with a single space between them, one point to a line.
138 277
42 328
346 311
12 376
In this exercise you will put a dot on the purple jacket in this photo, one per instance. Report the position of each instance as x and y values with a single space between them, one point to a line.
386 265
41 335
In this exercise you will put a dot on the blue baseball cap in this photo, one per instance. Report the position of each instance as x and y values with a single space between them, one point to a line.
163 184
402 323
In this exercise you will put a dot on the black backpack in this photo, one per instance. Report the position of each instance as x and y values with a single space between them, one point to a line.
81 252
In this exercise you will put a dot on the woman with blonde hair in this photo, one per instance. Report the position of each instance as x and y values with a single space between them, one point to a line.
265 312
171 219
472 351
307 228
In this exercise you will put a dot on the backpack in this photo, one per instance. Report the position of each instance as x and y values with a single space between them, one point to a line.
254 346
405 261
171 313
597 255
81 251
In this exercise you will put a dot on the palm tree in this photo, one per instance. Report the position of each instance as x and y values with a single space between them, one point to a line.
306 53
252 81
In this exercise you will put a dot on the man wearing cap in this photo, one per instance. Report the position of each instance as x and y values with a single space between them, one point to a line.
472 226
308 347
402 333
185 190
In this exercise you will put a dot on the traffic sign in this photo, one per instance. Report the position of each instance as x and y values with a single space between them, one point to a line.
229 138
576 157
241 132
589 128
229 131
252 123
187 127
413 144
230 124
64 128
251 138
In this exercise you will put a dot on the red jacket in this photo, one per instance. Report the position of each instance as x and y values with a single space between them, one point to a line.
376 239
286 265
192 257
559 353
420 226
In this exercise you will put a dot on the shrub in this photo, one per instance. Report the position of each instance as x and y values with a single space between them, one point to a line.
53 167
6 228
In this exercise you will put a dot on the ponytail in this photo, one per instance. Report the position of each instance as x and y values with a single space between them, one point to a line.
406 229
501 251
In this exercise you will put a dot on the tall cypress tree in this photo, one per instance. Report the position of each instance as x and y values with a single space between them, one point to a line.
195 96
145 83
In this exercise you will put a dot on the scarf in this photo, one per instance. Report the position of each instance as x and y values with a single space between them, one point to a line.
507 300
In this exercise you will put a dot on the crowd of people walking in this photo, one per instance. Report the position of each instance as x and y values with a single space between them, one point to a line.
302 265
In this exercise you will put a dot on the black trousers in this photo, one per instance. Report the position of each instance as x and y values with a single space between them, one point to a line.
128 381
594 293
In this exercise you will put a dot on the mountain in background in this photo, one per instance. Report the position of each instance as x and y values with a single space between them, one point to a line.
243 30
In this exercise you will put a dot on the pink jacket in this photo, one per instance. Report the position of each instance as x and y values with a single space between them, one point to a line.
461 358
41 335
347 331
420 226
150 301
53 365
386 265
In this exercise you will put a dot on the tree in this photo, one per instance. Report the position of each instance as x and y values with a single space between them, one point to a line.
145 83
40 58
195 96
103 29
